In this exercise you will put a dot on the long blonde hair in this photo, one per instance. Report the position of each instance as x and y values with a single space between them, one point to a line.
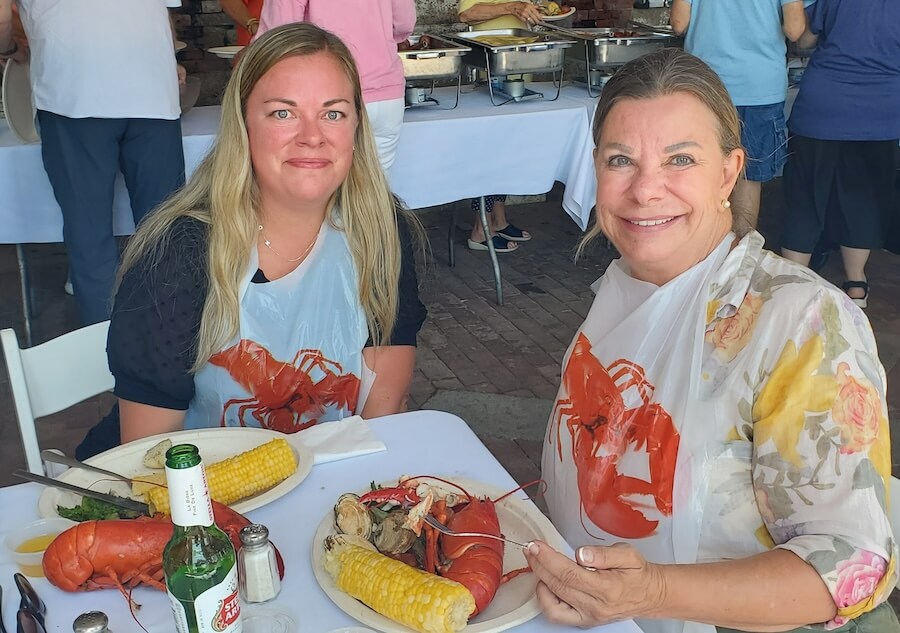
665 72
223 194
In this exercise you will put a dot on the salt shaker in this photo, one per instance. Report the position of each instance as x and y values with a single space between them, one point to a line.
91 622
257 566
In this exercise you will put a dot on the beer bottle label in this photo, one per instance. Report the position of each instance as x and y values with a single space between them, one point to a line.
216 610
192 505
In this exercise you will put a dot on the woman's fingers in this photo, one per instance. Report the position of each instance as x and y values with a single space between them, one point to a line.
571 584
555 609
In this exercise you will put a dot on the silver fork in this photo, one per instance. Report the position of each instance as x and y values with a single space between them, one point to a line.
440 527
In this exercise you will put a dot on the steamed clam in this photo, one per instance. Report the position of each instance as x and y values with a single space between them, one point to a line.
392 537
352 517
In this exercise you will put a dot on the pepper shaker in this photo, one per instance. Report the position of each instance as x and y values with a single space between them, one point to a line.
257 567
91 622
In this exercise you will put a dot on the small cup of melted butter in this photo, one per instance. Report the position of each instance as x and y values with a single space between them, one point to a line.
26 544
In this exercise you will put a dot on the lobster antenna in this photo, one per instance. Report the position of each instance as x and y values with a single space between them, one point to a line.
446 481
498 499
540 491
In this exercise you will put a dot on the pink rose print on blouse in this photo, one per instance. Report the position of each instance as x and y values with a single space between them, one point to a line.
729 336
857 410
857 579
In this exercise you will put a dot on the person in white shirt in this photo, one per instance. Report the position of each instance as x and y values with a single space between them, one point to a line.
105 87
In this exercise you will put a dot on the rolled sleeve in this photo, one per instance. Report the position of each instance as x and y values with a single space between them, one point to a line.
156 319
822 466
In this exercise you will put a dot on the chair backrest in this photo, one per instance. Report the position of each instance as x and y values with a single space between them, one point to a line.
53 376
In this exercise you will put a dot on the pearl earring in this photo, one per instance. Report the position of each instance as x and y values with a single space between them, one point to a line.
726 204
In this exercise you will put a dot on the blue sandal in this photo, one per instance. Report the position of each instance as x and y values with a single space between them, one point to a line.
514 234
500 245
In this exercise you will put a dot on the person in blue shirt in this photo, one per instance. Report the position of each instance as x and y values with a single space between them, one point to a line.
744 42
845 125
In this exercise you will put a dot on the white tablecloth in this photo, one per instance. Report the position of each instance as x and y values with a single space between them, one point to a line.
444 155
517 148
418 442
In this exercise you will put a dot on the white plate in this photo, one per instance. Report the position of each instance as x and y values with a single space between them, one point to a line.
215 445
515 602
559 16
225 52
17 105
180 46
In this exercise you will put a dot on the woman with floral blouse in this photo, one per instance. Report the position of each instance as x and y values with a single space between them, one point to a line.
719 445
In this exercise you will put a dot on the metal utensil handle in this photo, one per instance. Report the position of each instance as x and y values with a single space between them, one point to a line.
128 504
483 535
65 460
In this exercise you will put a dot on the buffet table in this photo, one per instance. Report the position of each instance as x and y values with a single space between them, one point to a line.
444 155
452 449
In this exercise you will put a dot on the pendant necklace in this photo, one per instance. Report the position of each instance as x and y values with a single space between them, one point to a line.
268 245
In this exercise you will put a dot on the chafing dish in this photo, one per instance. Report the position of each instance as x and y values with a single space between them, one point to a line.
503 52
605 48
426 58
431 57
526 51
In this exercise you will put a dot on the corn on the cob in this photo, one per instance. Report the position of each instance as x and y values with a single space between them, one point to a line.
241 476
422 601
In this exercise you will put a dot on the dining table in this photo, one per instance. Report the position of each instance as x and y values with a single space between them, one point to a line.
416 443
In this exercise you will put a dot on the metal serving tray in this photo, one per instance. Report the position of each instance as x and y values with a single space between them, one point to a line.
442 59
604 47
543 53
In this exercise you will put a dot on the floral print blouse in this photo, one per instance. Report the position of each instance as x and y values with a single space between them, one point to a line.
795 362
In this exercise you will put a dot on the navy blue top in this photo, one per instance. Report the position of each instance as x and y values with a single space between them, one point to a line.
851 89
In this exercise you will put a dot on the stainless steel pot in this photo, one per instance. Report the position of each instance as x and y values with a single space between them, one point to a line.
442 59
533 52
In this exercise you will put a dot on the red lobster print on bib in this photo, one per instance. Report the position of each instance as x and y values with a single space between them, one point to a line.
283 393
602 429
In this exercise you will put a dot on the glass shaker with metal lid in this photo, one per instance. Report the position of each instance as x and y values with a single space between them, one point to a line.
91 622
257 566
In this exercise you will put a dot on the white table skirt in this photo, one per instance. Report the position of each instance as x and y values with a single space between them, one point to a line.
477 149
417 442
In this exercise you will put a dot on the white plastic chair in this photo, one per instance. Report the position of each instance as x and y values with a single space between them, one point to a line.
54 376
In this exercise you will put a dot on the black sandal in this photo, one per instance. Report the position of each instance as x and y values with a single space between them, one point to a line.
849 285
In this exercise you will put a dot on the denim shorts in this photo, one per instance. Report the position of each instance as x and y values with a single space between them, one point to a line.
764 136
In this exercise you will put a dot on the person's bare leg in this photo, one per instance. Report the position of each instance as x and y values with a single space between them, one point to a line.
855 268
498 216
745 200
794 256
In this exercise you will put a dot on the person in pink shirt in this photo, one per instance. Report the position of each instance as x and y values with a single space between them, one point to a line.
371 29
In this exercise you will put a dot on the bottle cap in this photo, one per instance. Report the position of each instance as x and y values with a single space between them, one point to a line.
255 534
91 622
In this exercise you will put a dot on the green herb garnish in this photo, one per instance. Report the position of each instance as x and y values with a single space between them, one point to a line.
95 510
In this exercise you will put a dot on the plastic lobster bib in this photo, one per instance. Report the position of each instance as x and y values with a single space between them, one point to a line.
626 456
299 357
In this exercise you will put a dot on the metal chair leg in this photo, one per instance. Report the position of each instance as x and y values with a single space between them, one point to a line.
25 287
451 235
498 287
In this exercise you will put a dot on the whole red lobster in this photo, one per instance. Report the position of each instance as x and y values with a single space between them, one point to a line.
476 563
123 553
284 392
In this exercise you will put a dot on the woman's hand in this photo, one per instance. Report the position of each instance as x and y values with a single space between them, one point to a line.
526 12
607 584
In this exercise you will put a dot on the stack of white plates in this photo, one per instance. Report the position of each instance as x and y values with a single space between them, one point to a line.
17 105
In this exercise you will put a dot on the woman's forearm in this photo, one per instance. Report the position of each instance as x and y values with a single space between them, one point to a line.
137 421
484 11
774 591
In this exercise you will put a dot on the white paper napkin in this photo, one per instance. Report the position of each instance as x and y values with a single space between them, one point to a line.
342 439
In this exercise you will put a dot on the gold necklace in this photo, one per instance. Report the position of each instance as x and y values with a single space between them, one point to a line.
268 245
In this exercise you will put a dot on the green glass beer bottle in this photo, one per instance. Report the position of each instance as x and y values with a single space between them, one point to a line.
199 560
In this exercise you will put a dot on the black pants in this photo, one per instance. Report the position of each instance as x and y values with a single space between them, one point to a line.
82 158
839 191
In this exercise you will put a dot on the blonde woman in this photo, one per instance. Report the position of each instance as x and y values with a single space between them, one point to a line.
278 288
